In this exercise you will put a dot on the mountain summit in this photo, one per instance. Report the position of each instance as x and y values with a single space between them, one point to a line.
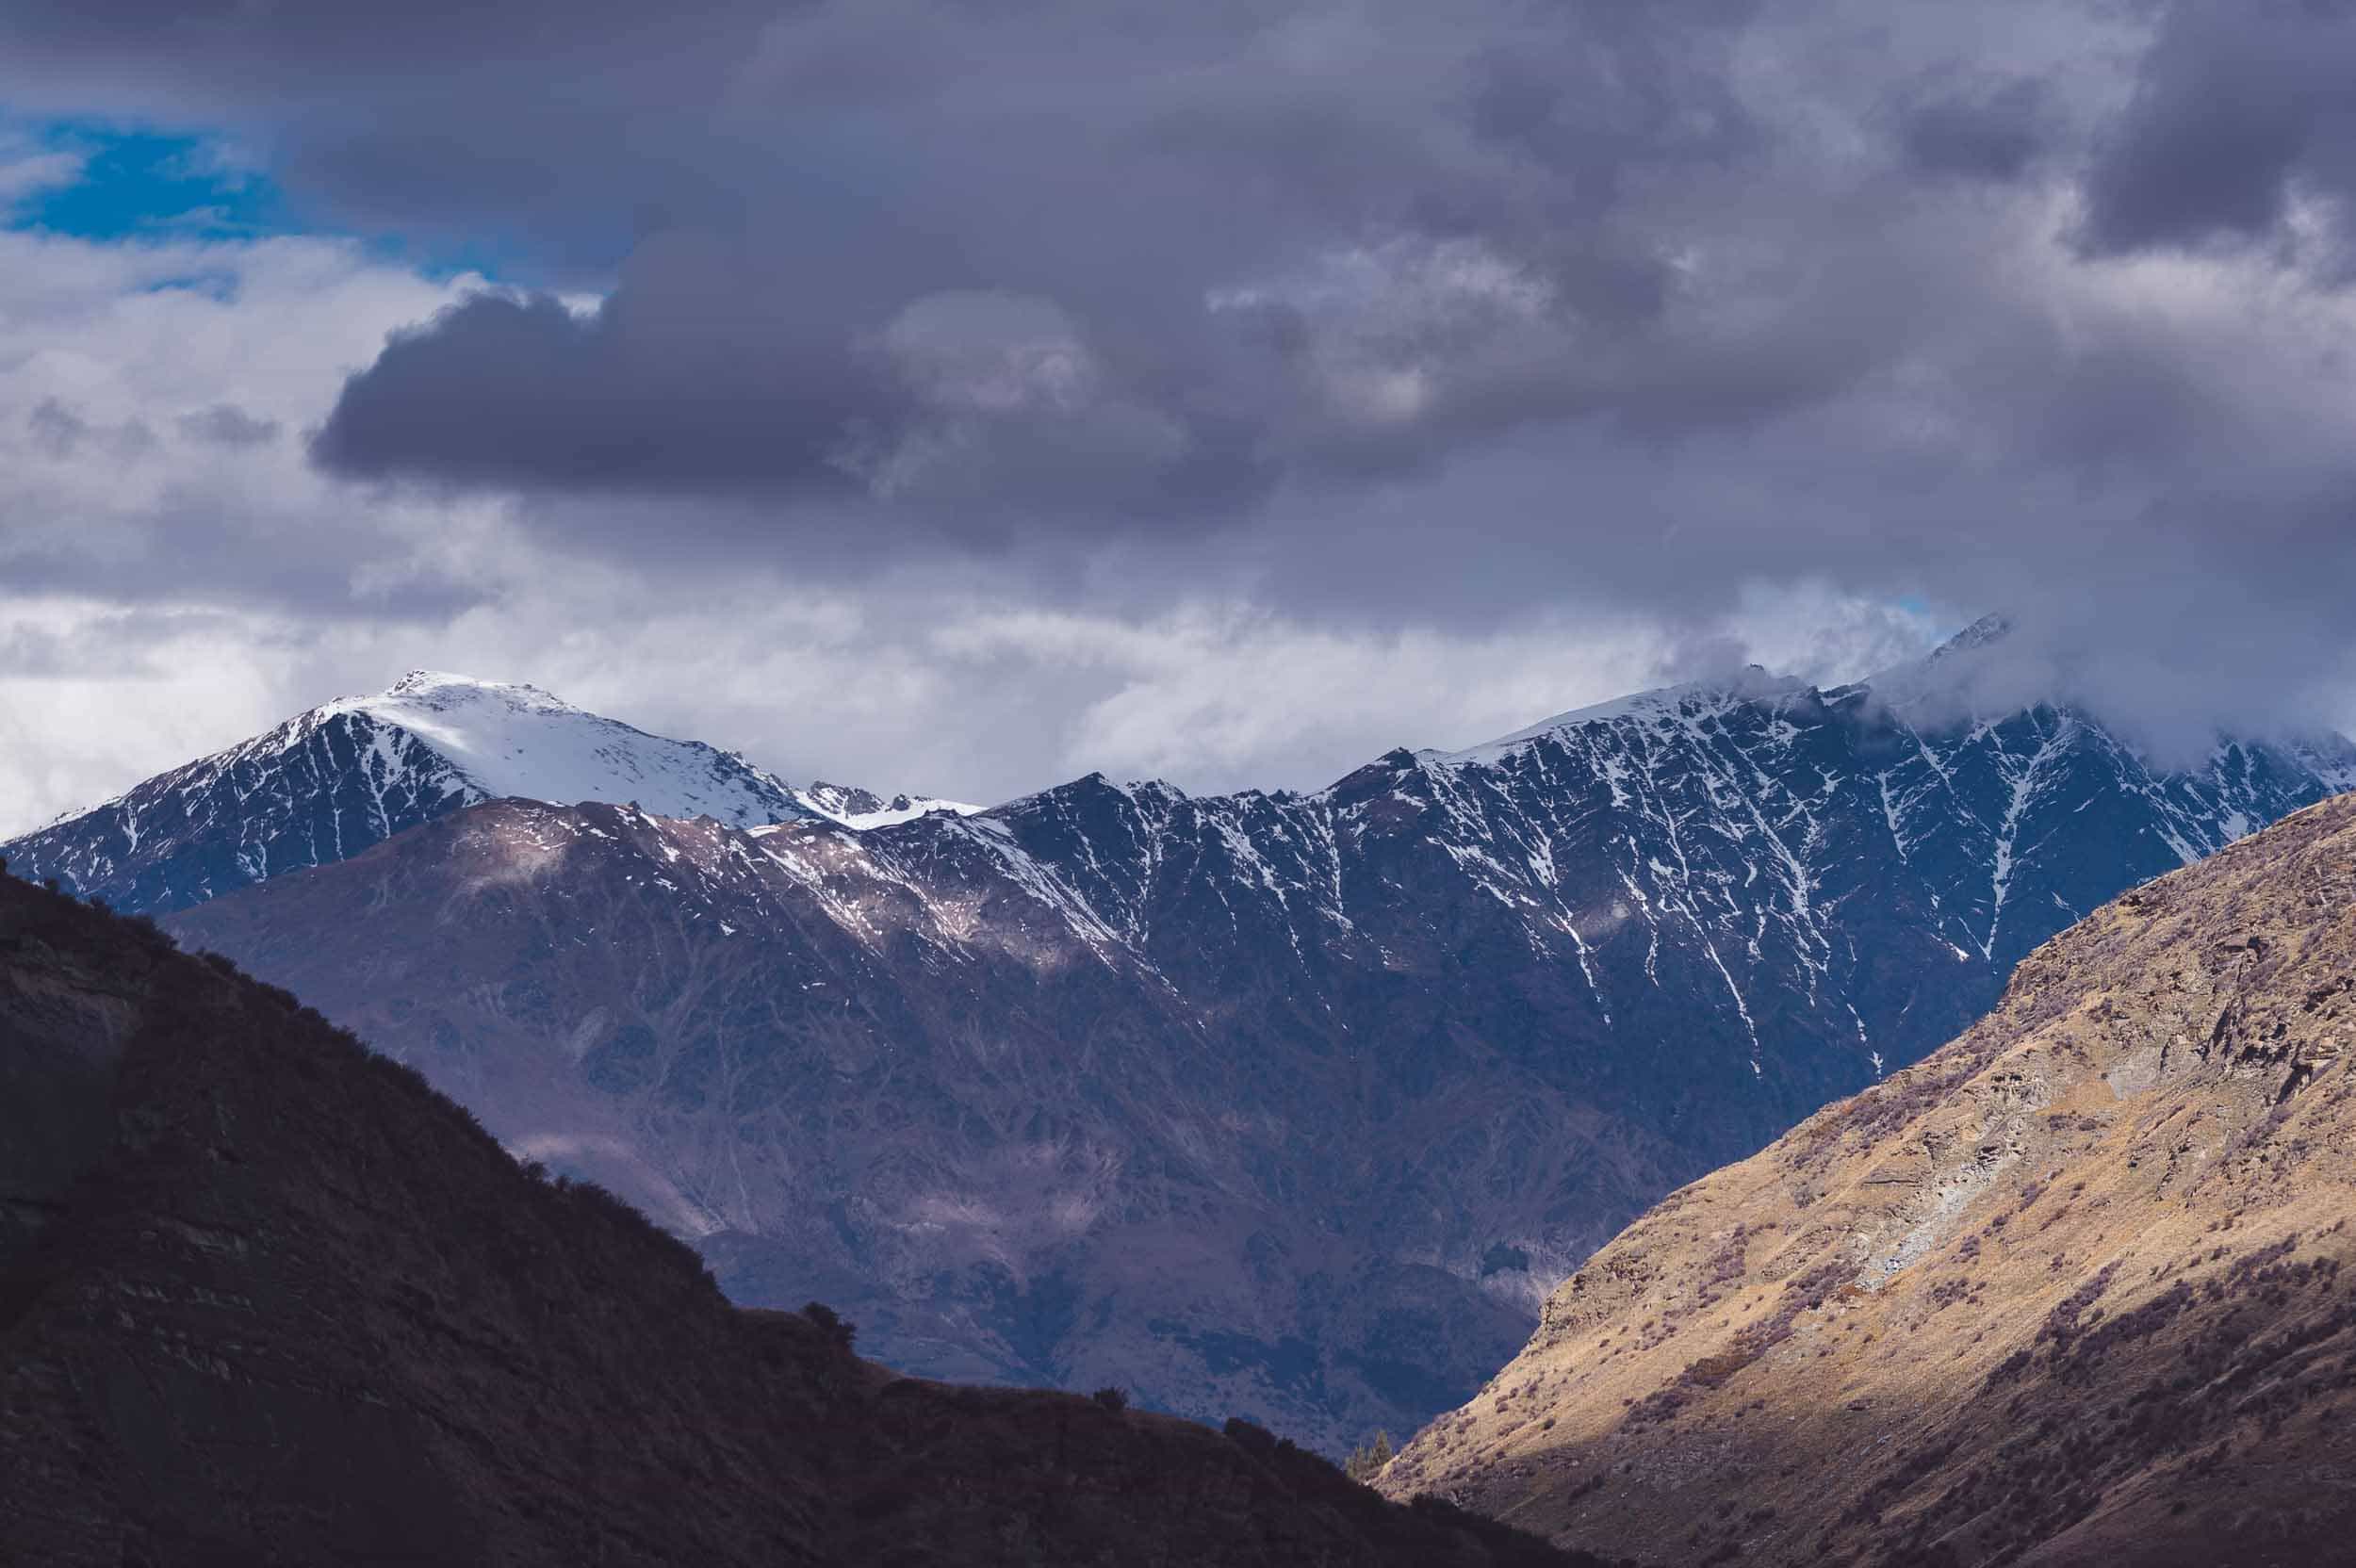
327 784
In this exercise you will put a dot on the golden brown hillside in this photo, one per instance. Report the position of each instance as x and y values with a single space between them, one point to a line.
2070 1291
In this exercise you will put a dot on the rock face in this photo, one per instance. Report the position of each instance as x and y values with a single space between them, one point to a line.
2070 1291
267 1299
1287 1106
327 784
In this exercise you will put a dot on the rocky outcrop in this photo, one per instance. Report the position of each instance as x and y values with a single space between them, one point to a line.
2070 1291
266 1298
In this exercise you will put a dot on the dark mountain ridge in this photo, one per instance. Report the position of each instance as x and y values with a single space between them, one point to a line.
266 1298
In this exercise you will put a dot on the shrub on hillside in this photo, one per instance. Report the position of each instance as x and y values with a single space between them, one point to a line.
839 1329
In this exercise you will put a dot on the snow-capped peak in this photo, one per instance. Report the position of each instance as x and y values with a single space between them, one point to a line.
506 739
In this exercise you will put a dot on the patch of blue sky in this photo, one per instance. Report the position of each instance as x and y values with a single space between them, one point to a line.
119 184
138 184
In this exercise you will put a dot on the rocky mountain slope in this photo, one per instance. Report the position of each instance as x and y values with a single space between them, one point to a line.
1290 1105
2072 1291
327 784
267 1299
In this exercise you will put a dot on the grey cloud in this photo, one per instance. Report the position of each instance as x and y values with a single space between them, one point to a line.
57 430
1991 135
2239 103
503 390
227 425
695 380
61 432
199 551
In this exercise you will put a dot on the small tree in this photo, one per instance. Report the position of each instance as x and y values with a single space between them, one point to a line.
1370 1457
1114 1399
839 1329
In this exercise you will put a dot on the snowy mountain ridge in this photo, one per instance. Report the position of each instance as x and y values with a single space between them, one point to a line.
328 783
864 809
516 740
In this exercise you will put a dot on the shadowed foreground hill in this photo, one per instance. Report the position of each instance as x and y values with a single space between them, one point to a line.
267 1299
2074 1290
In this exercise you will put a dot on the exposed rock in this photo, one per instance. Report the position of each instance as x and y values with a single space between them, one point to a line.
2070 1291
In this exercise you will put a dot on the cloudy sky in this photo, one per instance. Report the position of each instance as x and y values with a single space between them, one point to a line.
964 394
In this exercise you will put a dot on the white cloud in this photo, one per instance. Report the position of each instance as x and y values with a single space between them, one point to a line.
89 704
25 170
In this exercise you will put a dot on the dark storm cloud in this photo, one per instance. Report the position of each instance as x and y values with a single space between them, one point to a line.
702 376
2239 103
501 391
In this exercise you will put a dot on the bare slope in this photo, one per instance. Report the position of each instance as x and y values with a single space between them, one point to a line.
2070 1291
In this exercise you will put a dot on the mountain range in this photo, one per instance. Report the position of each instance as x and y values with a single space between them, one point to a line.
1292 1106
2070 1291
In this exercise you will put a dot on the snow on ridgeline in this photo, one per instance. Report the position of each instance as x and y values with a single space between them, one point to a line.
504 740
331 782
861 809
1672 704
